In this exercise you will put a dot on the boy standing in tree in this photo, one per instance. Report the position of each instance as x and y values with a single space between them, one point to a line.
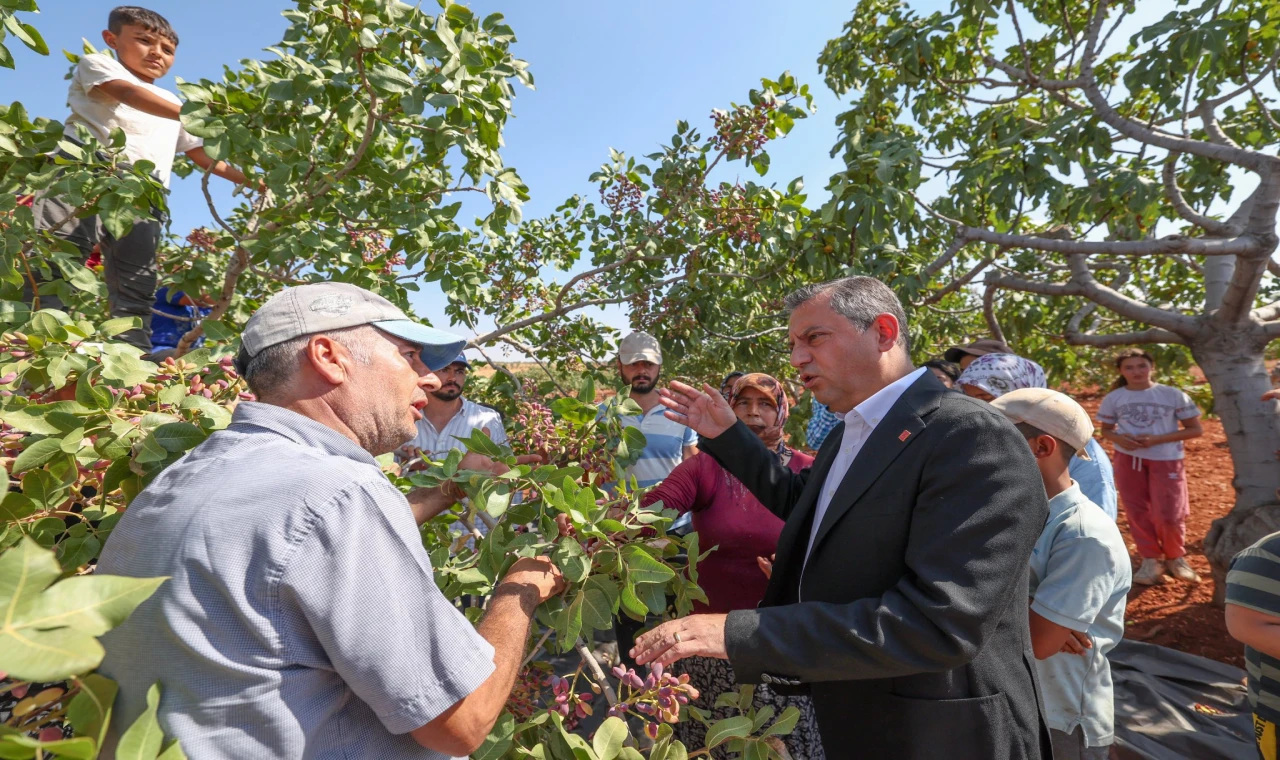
1080 580
120 93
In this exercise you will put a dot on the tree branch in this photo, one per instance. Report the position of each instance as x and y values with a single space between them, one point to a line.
1249 269
937 264
1174 193
748 336
561 311
1153 335
1239 246
1089 84
1083 284
989 312
956 284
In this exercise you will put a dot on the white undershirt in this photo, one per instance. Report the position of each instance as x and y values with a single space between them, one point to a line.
859 423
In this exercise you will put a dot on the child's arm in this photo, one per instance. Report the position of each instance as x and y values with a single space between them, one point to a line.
1048 638
141 98
1254 629
1190 429
1109 432
220 168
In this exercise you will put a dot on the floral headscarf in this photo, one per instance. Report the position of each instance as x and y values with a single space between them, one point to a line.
766 384
998 374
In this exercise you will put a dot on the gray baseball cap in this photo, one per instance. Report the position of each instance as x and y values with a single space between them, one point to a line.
325 306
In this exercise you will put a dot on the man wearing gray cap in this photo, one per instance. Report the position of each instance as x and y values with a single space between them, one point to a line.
667 443
1080 580
301 617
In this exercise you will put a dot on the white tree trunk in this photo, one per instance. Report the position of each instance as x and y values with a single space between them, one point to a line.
1232 362
1217 275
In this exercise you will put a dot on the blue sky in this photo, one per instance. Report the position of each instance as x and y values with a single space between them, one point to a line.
608 74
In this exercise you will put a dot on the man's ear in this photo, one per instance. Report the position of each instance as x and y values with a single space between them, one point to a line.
887 330
109 37
329 358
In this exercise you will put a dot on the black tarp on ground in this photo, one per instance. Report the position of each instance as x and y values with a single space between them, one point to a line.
1171 705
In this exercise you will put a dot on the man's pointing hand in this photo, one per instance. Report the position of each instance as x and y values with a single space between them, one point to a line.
705 411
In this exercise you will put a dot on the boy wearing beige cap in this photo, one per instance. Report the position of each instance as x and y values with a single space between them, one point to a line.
1080 579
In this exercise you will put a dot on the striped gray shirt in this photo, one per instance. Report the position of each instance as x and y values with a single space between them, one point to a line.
302 618
1253 581
437 443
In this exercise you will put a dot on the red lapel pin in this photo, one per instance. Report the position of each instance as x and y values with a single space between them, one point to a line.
905 435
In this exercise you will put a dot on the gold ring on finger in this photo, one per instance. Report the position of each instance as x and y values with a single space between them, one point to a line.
677 637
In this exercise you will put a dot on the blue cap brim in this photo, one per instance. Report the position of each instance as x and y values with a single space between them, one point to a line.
439 348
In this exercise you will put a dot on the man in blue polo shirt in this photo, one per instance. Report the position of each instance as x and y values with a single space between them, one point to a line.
667 443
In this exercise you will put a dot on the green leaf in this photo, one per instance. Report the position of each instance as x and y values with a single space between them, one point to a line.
31 419
643 568
572 560
178 436
142 740
77 748
218 330
480 442
123 364
609 738
737 727
755 749
48 632
569 623
631 603
113 327
599 601
37 455
90 710
785 724
389 79
499 739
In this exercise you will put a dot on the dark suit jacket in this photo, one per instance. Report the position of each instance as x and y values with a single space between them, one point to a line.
908 626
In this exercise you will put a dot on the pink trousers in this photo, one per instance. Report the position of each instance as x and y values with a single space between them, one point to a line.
1154 495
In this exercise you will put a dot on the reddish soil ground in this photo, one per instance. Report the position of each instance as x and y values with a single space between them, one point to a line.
1181 615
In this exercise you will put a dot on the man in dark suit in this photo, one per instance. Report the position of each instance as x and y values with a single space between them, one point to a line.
899 594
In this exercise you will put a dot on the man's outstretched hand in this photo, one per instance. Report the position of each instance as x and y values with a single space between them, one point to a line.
705 411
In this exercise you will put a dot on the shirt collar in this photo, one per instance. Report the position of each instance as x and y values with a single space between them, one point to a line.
302 430
1066 500
877 405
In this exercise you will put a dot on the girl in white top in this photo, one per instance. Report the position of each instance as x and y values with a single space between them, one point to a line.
1148 422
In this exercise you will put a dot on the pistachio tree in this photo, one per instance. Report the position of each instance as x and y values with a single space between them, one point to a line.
359 133
1028 162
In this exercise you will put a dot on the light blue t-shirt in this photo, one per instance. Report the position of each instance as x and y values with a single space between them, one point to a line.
301 617
1096 479
1080 578
664 445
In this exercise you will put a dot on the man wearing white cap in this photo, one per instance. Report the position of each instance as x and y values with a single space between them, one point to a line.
1080 580
301 617
667 443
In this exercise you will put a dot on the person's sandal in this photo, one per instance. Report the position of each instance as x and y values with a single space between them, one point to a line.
1179 569
1150 573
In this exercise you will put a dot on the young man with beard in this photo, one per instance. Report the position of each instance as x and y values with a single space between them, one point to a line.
667 443
451 417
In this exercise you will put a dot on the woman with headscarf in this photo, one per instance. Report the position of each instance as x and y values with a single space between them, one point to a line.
726 515
992 375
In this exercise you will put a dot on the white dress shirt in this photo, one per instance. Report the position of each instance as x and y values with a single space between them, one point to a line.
858 425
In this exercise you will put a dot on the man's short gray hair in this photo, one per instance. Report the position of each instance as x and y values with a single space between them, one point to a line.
274 367
859 300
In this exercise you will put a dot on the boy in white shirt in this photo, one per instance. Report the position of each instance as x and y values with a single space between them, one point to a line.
108 93
1080 580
